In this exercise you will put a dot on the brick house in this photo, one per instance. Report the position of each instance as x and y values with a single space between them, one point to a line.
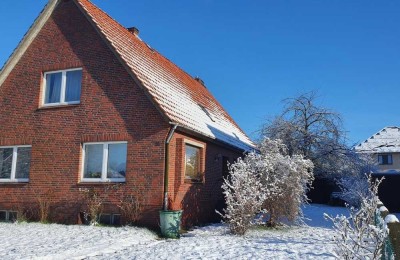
85 103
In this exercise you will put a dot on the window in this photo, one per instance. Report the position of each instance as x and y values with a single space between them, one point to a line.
8 216
225 168
385 159
192 163
62 87
15 163
110 219
104 162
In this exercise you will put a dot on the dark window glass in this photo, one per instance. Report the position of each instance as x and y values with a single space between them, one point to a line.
6 157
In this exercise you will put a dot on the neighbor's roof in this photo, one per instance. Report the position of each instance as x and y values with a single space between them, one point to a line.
386 140
181 98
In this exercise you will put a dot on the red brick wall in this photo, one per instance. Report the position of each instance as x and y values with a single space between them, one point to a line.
112 108
198 200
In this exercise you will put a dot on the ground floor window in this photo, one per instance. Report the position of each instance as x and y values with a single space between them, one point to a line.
193 162
15 163
8 216
104 161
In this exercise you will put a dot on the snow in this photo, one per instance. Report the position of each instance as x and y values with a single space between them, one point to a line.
383 209
41 241
386 140
391 219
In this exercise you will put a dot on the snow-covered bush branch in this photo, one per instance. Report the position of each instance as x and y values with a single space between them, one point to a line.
268 181
362 234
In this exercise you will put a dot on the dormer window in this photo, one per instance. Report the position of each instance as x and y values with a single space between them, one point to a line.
385 159
62 87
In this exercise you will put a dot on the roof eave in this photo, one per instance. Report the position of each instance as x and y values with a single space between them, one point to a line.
191 131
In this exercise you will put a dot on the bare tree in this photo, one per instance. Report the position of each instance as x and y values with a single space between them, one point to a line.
313 131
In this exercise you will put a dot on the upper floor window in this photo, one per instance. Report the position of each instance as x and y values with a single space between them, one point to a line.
62 87
385 159
15 163
104 162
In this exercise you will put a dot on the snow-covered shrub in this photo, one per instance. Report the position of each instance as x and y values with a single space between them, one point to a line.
353 189
243 193
363 233
268 181
294 174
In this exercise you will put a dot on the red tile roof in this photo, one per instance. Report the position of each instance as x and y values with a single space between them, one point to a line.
181 98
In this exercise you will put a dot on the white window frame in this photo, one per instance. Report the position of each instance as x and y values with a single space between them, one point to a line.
389 159
105 163
201 148
8 213
62 91
14 164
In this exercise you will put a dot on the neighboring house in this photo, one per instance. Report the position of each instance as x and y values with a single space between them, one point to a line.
384 146
85 103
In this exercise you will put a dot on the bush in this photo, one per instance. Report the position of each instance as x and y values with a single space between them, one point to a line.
362 235
261 181
93 205
130 208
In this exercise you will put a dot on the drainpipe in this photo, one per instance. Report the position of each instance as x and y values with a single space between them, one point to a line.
166 164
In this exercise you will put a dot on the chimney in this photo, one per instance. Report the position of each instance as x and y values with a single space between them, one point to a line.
198 79
134 30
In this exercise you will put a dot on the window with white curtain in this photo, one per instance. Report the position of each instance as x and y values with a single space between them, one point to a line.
15 163
62 87
104 162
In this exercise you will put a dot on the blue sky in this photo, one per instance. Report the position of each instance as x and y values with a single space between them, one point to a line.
253 54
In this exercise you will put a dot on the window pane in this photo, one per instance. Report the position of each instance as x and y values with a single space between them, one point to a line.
3 216
93 161
390 160
23 163
53 88
192 163
73 86
6 156
116 160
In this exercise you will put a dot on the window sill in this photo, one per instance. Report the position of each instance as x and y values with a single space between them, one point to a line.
58 106
86 181
14 182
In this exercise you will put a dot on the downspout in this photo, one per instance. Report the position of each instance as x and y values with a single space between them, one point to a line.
166 164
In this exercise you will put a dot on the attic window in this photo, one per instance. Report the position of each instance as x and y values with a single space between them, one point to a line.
62 87
207 112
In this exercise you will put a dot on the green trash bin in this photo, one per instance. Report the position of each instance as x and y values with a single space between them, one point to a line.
170 222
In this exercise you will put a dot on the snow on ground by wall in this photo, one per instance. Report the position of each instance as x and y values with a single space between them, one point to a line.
38 241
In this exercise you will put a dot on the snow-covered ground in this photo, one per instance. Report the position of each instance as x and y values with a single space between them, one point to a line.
39 241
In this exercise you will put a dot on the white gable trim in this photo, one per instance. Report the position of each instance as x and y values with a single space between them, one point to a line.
27 39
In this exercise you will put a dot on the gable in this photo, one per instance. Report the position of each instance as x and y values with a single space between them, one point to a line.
110 99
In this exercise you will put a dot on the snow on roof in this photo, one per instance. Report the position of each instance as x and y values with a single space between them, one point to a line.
179 96
386 140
